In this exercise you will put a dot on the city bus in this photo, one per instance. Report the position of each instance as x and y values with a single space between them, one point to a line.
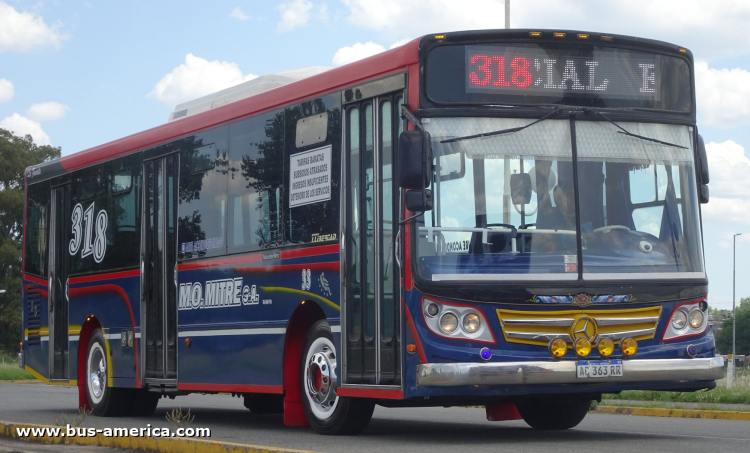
501 218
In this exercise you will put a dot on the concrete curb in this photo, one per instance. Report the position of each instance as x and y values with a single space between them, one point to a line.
22 381
681 413
144 444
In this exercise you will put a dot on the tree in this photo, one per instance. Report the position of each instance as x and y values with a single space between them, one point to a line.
724 339
16 153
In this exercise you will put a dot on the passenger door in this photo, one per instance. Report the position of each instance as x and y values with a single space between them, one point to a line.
159 272
371 309
58 283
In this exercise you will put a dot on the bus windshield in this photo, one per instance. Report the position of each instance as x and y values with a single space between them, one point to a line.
507 207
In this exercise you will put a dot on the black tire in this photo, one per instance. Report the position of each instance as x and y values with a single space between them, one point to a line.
104 401
143 402
554 413
260 403
343 415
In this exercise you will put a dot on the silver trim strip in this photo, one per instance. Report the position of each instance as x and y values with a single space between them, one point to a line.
503 277
558 322
643 276
620 321
564 372
538 335
627 333
232 332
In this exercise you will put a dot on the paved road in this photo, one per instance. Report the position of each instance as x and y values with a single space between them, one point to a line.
433 430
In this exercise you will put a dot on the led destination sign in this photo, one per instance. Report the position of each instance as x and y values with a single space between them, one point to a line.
562 73
514 70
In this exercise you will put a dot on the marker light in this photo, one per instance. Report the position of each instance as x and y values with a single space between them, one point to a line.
695 318
535 34
691 350
411 348
683 50
439 36
606 38
606 347
628 346
559 35
471 323
582 347
679 319
583 36
485 354
448 322
558 347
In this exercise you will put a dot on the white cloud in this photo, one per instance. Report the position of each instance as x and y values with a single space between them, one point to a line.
195 78
22 126
237 13
47 111
294 14
358 51
723 96
729 187
20 32
6 90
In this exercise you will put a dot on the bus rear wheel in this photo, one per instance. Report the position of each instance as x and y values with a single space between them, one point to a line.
104 401
554 414
326 412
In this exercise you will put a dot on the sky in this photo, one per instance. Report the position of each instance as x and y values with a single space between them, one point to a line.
77 74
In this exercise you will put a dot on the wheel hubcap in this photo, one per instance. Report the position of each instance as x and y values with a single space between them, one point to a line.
320 377
97 373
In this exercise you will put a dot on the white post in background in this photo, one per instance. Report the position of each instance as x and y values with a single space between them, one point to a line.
730 365
507 14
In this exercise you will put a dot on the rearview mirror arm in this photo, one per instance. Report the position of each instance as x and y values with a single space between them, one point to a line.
407 115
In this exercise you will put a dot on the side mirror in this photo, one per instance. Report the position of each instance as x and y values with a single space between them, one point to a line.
703 193
520 188
702 161
419 200
415 160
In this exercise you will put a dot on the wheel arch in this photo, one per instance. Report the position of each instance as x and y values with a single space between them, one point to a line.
302 319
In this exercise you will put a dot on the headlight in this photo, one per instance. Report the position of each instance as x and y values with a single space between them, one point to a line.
696 318
679 319
448 322
432 309
471 323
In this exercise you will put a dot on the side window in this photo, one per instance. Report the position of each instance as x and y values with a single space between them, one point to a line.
37 221
256 164
104 221
204 166
313 173
650 188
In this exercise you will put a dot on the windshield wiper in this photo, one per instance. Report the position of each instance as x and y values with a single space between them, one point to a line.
622 130
503 131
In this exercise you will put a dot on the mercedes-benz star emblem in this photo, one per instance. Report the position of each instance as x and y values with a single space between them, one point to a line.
584 327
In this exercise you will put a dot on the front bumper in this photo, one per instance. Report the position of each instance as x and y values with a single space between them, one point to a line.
564 372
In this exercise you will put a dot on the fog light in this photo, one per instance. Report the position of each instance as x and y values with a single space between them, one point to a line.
583 347
432 310
628 346
606 347
471 323
679 319
448 323
696 318
558 347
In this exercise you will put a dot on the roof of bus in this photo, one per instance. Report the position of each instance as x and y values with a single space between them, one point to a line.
368 68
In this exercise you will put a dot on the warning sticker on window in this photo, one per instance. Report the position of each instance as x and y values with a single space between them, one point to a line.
310 177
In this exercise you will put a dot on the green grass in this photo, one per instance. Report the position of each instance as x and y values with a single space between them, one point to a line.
9 371
661 405
738 394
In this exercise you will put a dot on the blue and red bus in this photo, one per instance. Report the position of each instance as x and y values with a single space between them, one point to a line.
505 218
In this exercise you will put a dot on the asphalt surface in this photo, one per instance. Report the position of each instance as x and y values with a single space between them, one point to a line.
433 430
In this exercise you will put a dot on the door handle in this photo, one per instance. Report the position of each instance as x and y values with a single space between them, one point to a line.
67 287
398 249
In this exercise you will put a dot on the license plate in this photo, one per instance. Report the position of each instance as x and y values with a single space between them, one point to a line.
599 369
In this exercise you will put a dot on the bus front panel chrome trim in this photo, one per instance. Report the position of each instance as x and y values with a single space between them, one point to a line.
564 372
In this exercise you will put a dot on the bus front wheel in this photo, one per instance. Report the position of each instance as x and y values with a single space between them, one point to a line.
553 413
326 412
